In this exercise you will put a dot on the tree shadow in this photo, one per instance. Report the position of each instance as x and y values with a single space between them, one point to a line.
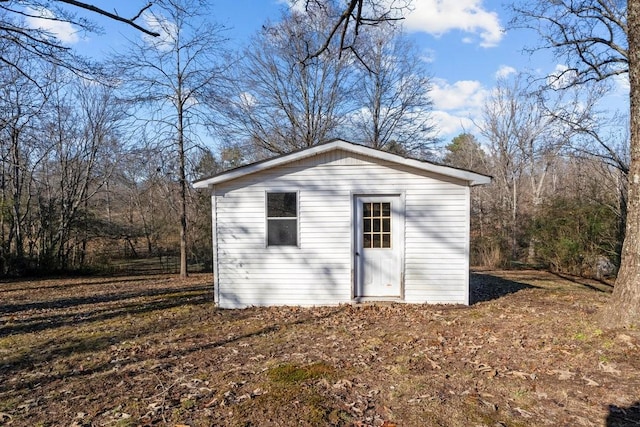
48 350
6 285
624 416
76 311
592 284
67 303
487 287
45 354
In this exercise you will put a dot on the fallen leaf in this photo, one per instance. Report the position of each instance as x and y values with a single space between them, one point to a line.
487 404
343 384
434 365
523 413
608 368
563 375
211 403
626 339
522 375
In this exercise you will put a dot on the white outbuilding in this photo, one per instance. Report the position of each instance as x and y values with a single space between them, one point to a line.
340 223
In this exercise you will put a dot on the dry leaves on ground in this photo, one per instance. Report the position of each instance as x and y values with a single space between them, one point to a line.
155 351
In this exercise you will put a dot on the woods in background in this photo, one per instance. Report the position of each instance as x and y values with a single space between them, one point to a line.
96 169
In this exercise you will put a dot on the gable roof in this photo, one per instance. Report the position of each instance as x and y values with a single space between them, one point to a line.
473 178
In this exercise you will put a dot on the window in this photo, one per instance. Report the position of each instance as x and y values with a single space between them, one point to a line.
376 222
282 219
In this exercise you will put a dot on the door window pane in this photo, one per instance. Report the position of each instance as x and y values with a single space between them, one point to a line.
376 222
366 241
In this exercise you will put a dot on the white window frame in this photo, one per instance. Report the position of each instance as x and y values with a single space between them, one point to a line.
267 218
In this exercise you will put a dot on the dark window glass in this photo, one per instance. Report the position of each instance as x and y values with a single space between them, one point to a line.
281 205
282 232
376 221
282 221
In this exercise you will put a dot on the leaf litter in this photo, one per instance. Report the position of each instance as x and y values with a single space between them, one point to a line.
146 351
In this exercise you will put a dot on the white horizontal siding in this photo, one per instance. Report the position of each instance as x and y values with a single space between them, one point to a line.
319 271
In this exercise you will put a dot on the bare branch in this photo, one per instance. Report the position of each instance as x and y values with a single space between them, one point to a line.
351 20
590 35
113 16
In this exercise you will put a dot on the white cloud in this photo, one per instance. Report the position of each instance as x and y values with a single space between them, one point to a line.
247 100
63 31
461 94
457 105
621 84
297 5
450 125
428 55
438 17
164 27
505 71
561 77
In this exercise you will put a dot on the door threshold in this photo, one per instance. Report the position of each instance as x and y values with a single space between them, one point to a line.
359 300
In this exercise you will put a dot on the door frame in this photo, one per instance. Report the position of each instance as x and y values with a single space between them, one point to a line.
355 231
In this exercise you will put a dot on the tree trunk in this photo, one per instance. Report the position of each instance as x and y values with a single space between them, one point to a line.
183 189
183 211
624 306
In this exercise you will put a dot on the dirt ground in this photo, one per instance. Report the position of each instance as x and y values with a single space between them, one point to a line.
143 351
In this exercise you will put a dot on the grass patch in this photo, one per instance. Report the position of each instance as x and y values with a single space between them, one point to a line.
295 389
292 374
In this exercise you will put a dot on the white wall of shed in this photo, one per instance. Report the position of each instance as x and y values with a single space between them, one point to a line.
319 271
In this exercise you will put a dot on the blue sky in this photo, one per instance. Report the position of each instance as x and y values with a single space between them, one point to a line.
465 43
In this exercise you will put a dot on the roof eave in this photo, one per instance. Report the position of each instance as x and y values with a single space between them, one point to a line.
472 178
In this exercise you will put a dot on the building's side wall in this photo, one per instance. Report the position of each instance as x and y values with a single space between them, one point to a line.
437 244
320 270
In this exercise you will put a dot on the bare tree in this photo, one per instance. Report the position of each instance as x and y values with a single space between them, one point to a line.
168 78
392 93
22 109
600 39
280 103
524 142
80 137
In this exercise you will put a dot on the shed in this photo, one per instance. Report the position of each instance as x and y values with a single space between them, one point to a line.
340 223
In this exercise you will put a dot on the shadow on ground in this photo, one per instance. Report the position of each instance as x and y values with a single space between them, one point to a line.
592 284
84 309
486 287
624 416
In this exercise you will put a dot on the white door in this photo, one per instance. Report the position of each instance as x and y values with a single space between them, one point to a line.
379 233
